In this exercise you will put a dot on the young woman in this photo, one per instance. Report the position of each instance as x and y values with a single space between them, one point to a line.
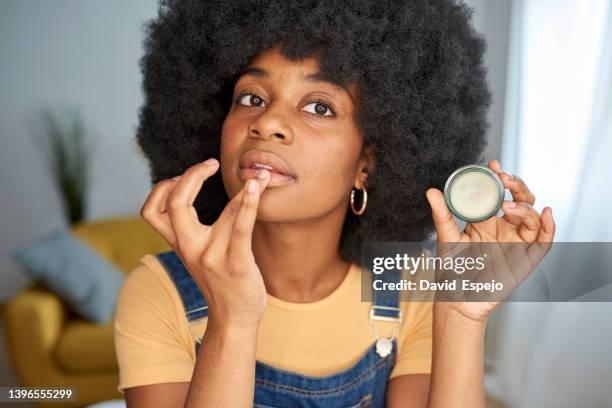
281 135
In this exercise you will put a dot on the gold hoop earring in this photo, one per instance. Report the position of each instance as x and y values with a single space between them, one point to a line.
364 202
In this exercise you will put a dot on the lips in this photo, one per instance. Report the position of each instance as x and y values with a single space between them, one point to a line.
254 159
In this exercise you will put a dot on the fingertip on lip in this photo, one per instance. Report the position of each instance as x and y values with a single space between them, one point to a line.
263 174
211 162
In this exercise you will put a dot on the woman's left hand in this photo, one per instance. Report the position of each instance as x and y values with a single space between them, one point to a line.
520 224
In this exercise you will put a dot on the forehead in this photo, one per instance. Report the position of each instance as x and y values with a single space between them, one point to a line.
271 64
275 64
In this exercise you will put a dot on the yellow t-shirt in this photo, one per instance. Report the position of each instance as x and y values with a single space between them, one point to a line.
155 344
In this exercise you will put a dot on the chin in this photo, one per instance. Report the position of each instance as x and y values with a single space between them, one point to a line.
273 208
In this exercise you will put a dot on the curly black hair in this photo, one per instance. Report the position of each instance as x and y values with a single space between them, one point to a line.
423 94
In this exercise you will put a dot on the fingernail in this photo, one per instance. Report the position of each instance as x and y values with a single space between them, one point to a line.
176 178
262 174
210 162
510 176
251 186
511 204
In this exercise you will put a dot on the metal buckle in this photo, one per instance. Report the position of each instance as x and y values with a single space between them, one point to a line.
193 323
384 345
386 318
197 309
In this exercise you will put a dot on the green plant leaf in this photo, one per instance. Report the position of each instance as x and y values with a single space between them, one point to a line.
66 150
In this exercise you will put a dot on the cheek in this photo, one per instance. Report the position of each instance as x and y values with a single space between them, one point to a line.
329 173
321 189
230 154
329 176
230 136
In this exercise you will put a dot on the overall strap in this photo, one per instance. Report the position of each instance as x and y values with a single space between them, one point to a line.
385 303
191 296
385 306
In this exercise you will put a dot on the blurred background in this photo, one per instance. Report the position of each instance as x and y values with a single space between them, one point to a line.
70 93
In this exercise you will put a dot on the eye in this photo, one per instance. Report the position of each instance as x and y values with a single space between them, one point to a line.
319 108
250 100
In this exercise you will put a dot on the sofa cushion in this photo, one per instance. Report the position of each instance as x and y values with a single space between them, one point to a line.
74 271
121 240
86 347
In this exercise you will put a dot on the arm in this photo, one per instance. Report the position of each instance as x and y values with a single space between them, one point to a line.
409 387
457 367
224 374
456 378
459 327
221 262
163 395
225 353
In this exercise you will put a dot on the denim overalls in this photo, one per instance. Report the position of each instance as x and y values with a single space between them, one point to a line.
362 385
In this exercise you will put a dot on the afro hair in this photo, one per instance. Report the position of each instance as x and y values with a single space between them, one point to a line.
423 94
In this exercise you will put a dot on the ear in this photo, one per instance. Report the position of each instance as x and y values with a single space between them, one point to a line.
366 166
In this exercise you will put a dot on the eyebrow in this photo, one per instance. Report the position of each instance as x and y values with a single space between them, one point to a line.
315 78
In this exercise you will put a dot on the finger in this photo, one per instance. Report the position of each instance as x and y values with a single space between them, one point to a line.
516 185
190 183
518 188
510 217
446 227
225 223
529 229
538 250
242 233
154 210
494 165
547 232
221 230
183 216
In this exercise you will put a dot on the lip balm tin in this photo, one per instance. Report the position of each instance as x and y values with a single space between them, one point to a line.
474 193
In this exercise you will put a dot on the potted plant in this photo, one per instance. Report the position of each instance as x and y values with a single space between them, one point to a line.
67 150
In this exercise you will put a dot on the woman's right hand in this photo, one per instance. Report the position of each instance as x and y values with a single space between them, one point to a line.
218 257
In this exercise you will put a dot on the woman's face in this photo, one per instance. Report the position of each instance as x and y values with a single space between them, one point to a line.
283 116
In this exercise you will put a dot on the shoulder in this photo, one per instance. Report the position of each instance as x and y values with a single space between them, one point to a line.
151 336
147 278
148 293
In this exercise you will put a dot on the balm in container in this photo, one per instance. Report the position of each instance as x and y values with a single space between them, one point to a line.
474 193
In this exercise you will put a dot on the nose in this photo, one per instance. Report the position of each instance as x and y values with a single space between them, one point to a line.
272 124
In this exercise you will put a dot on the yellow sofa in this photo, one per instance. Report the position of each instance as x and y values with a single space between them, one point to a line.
50 345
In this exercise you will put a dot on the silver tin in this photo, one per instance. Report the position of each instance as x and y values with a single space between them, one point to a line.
468 169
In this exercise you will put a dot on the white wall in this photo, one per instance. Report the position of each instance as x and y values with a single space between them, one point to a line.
66 54
84 54
492 18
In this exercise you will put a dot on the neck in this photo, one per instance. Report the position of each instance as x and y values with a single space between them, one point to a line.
300 261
